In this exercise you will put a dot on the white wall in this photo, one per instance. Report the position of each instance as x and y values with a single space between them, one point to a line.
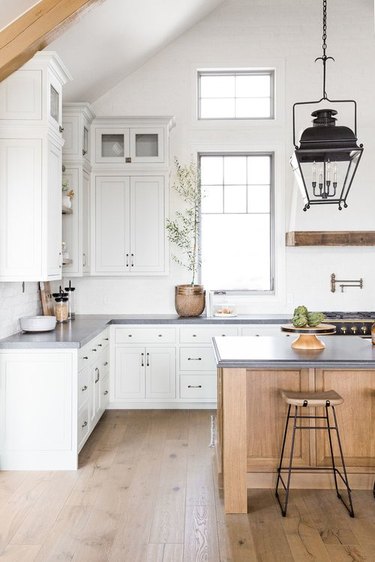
285 34
14 304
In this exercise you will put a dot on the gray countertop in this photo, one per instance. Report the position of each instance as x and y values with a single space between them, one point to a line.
275 352
78 332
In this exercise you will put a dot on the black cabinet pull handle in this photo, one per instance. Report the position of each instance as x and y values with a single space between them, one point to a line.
132 260
98 375
105 392
100 345
84 388
194 358
130 335
142 360
106 363
194 335
106 339
85 357
127 260
194 386
148 360
84 424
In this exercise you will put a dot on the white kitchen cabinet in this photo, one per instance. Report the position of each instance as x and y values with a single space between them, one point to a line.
129 234
145 373
32 96
132 142
160 373
77 118
130 381
50 403
30 174
38 410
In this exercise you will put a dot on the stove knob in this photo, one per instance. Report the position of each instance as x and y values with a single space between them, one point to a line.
353 329
343 330
363 329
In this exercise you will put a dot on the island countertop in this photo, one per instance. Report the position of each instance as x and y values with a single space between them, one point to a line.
274 352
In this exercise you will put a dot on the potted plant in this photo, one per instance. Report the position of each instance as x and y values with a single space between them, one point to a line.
183 231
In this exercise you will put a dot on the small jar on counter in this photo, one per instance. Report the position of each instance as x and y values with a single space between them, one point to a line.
61 309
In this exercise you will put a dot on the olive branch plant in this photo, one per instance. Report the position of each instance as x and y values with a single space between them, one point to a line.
183 231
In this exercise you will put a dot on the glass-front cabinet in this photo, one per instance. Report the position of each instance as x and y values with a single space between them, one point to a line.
143 145
132 141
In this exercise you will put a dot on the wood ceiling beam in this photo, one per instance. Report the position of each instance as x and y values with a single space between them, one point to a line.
35 29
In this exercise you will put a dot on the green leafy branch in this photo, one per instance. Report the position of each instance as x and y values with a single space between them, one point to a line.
183 231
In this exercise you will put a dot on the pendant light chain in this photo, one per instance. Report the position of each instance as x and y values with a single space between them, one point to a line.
324 57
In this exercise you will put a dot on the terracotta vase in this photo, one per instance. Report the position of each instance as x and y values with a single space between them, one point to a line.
190 300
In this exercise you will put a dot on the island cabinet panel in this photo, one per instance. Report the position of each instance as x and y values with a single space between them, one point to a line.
266 415
356 418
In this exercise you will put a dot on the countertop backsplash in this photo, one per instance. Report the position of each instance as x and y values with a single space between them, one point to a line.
14 303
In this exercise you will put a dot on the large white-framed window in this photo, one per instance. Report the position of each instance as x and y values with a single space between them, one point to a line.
236 94
237 221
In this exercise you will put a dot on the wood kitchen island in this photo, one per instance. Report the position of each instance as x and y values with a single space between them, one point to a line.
252 371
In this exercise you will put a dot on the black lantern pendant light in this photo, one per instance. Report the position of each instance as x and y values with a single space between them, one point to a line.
327 158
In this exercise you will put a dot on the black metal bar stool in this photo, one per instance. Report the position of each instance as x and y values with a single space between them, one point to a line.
328 399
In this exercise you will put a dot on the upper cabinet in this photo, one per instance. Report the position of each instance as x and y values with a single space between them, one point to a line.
30 170
33 94
132 142
77 118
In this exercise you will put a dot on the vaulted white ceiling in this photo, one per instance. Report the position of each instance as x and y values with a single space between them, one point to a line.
117 36
13 9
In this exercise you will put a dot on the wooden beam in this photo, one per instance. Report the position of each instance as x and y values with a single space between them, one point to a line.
330 238
35 29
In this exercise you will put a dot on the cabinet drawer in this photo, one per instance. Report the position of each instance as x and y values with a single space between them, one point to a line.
198 386
204 335
83 425
101 342
104 393
145 335
83 386
85 356
197 359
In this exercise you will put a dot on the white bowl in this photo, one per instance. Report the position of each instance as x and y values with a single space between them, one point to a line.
38 323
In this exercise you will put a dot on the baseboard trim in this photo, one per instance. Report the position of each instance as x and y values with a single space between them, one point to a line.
161 405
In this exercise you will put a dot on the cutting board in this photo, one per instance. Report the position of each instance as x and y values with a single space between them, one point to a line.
46 298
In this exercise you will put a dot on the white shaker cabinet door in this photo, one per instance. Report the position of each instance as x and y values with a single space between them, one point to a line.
147 224
20 209
130 373
160 372
37 409
112 225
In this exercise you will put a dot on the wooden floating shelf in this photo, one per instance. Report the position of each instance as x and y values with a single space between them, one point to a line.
330 238
67 211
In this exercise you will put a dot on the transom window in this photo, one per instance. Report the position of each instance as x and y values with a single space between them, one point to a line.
240 94
237 221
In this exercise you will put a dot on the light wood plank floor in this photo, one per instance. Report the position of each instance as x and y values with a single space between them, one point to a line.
146 492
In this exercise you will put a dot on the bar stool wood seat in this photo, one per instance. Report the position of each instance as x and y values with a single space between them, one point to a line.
300 400
313 399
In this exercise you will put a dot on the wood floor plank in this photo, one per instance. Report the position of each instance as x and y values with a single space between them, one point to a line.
20 553
201 541
304 539
42 515
173 553
267 529
169 512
